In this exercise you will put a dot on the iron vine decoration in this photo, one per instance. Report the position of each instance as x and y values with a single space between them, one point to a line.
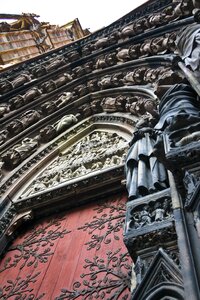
29 250
114 223
106 279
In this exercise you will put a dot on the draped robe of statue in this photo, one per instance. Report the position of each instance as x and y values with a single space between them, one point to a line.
179 108
188 45
144 173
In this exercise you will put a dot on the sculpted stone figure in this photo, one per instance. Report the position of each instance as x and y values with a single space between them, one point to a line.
159 212
191 137
51 131
106 41
144 173
47 133
157 19
3 136
144 216
48 86
145 49
65 122
188 45
93 85
39 71
183 8
106 61
133 52
20 80
179 115
96 106
110 81
134 77
139 106
81 90
4 109
65 78
32 94
78 71
162 45
73 56
19 152
88 67
85 110
174 116
55 63
87 49
5 86
64 99
27 119
30 117
153 75
48 107
15 126
111 104
128 31
123 54
16 102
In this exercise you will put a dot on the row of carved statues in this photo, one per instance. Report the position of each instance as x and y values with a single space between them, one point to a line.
138 76
149 47
19 152
158 45
135 105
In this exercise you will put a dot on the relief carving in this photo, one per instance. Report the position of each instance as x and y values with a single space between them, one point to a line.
81 90
27 119
31 94
5 86
19 152
106 61
133 52
110 104
110 81
4 109
97 151
16 102
149 213
139 106
51 131
53 105
21 80
55 63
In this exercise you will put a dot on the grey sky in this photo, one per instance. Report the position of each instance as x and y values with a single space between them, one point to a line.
92 14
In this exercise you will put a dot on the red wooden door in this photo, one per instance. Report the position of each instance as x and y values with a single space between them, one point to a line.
75 255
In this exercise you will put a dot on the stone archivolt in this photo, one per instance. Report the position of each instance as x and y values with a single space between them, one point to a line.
107 82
